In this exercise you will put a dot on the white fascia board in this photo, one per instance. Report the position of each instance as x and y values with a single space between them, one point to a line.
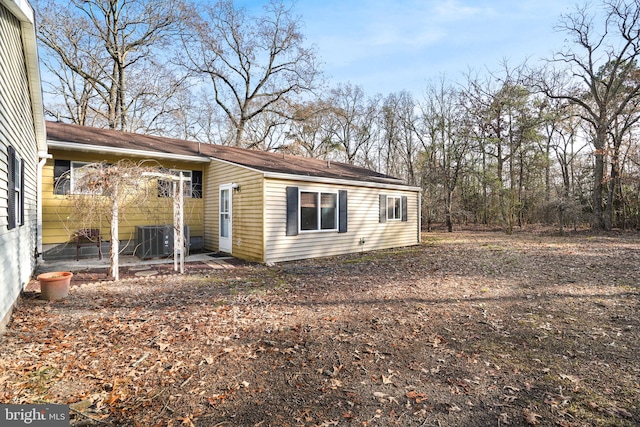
323 180
352 182
72 146
22 10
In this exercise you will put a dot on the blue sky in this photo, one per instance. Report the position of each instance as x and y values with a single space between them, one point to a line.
388 46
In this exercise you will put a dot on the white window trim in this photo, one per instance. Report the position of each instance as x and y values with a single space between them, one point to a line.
319 229
394 197
188 183
17 188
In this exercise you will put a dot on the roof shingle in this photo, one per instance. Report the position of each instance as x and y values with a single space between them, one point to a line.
260 160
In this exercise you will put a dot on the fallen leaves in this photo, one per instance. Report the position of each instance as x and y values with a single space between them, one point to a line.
387 379
571 378
415 396
444 333
379 394
531 417
555 400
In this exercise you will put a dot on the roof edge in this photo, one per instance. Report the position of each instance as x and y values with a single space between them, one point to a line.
322 179
325 180
66 145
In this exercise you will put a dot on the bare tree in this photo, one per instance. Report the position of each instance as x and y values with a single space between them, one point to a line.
353 123
602 61
103 193
310 130
446 140
266 132
399 142
256 64
103 54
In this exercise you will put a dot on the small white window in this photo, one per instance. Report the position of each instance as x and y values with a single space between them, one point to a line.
17 179
394 208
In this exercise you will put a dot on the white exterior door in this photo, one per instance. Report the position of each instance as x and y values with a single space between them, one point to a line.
226 225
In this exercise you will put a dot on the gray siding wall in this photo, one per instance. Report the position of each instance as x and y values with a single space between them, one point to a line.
17 246
363 223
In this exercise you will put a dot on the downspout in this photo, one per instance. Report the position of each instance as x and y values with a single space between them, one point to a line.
43 156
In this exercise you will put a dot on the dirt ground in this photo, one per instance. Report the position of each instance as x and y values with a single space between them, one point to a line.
467 329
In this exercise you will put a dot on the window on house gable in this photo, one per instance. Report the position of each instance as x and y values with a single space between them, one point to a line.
15 189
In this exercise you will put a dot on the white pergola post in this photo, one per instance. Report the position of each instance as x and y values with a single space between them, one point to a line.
178 225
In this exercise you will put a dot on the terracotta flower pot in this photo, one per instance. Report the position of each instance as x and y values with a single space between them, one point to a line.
54 285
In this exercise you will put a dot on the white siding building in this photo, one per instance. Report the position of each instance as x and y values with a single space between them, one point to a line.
22 141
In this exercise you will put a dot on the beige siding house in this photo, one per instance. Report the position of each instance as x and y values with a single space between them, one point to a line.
258 206
364 230
22 141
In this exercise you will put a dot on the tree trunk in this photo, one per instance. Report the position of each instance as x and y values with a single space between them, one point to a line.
239 133
447 210
485 195
598 175
122 97
547 171
112 103
611 192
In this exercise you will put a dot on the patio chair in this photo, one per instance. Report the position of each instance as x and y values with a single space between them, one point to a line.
88 237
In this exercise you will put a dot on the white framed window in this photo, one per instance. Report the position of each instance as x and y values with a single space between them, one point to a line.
76 174
17 188
186 191
311 211
394 208
192 184
69 175
318 211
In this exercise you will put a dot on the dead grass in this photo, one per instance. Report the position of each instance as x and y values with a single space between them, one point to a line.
468 329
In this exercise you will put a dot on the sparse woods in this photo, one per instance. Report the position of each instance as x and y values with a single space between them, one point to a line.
505 147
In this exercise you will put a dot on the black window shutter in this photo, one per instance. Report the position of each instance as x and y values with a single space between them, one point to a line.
196 184
292 211
383 208
21 191
11 190
61 177
342 213
404 208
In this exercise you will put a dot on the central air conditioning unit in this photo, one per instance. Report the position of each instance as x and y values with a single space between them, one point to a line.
156 240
